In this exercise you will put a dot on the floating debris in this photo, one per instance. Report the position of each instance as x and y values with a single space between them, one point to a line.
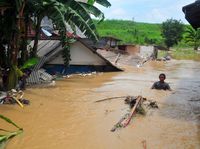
106 99
13 97
137 106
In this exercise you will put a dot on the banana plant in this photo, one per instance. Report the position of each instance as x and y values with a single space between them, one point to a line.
193 37
11 20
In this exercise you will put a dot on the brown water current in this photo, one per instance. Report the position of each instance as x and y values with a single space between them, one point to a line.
67 117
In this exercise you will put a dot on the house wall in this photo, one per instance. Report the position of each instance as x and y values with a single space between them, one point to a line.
80 55
133 49
146 51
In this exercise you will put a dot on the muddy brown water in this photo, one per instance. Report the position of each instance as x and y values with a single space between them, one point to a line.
67 117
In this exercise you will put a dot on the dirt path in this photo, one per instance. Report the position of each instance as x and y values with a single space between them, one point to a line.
66 116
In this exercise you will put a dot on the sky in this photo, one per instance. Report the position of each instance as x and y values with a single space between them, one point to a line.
150 11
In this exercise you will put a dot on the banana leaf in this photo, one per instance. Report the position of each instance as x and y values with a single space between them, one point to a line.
30 63
9 121
4 138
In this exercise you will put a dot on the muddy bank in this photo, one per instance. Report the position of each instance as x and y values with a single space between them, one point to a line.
65 116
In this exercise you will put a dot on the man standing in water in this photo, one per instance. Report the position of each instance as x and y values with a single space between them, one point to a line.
161 85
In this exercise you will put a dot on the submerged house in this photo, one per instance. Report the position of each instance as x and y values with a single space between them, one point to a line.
192 13
84 58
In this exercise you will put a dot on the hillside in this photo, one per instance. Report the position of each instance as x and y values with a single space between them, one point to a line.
131 32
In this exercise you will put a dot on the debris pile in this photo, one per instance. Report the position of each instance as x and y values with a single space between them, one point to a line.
138 105
13 97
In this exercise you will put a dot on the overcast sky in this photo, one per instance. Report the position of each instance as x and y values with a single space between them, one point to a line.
151 11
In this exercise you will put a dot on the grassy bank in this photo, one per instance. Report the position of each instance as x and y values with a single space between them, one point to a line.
182 54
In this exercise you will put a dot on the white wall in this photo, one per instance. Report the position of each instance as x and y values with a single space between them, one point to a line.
80 55
146 51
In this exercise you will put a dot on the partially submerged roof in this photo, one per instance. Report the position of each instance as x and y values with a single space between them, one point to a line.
192 14
92 44
52 48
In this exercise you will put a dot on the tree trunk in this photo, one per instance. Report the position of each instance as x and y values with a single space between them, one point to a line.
23 46
15 40
12 78
195 47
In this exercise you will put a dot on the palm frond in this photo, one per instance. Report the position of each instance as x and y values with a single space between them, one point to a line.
77 9
84 26
93 10
104 3
91 2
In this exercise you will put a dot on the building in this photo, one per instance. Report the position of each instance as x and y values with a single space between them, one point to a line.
84 59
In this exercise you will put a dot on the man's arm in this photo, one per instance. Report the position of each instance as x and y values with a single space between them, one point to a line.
168 87
153 86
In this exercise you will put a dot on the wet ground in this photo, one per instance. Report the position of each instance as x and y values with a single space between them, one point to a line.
66 116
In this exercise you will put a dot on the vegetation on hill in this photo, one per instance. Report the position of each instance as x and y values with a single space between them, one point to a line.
132 32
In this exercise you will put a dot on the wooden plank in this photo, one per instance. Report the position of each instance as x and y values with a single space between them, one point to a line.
110 98
126 121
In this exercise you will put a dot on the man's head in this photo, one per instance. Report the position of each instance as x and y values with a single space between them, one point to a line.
162 77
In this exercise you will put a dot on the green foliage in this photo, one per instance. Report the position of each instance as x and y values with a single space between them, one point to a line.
161 54
192 37
172 31
131 32
66 49
185 54
29 63
181 54
8 134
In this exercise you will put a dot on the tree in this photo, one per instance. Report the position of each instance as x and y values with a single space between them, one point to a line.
172 31
193 37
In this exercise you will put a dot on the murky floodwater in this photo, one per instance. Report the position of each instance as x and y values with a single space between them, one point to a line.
65 116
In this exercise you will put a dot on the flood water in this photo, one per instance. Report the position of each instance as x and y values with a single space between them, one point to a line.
67 117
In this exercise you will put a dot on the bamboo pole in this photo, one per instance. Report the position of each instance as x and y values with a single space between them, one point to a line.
126 121
110 98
